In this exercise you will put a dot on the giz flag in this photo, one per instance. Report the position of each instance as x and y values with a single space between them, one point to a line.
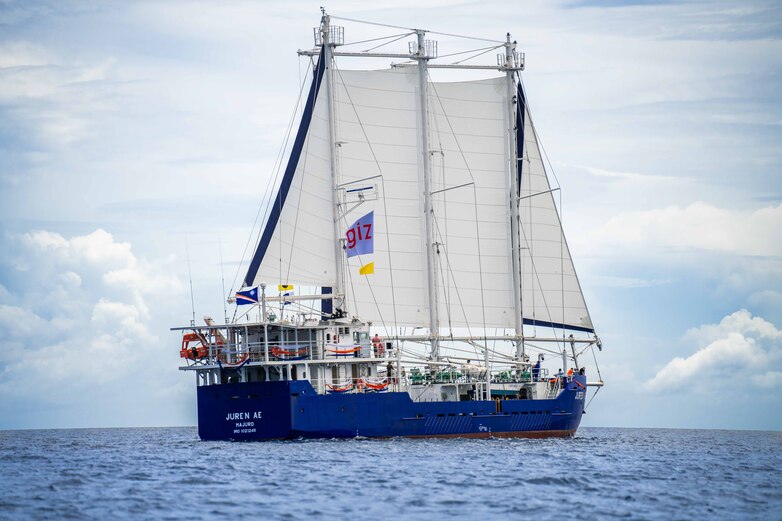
359 239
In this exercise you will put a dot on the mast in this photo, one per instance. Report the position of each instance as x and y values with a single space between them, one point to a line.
431 275
328 51
513 196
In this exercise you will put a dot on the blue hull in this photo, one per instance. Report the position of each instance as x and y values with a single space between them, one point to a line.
292 409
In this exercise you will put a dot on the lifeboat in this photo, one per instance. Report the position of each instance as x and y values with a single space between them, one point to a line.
339 388
289 352
194 346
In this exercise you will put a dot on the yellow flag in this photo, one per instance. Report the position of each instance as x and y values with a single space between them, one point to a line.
284 287
367 269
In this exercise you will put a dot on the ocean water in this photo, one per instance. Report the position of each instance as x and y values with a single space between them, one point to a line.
601 473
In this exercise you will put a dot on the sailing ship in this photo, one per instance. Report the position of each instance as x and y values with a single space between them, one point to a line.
411 276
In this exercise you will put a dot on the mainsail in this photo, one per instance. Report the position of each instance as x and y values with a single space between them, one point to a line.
376 117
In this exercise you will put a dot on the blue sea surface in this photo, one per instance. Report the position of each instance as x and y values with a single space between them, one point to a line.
601 473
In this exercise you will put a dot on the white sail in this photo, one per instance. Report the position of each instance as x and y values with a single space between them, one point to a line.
380 169
301 248
469 134
551 294
379 135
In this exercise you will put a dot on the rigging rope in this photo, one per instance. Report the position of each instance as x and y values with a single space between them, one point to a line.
529 242
378 39
265 205
385 215
469 51
476 55
414 30
387 43
563 240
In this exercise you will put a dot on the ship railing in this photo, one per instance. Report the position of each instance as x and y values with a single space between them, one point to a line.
209 352
416 376
360 385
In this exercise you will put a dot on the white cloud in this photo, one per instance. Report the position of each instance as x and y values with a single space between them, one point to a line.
741 349
696 227
87 325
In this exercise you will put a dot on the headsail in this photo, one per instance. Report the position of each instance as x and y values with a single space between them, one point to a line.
297 240
551 293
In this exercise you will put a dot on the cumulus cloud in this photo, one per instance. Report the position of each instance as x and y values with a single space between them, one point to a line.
84 321
745 348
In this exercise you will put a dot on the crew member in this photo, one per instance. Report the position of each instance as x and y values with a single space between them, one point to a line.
377 345
536 370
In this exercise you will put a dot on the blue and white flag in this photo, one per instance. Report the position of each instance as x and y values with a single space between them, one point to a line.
360 236
247 297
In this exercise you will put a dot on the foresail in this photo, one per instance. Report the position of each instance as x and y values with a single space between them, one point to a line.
551 293
297 243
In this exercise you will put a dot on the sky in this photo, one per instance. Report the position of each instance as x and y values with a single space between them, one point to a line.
134 135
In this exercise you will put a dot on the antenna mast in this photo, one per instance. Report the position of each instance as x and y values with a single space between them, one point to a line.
190 276
222 278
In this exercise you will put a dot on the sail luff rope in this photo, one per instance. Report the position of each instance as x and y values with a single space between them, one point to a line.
385 210
265 205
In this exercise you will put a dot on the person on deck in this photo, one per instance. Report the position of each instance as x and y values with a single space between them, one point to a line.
536 370
377 345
